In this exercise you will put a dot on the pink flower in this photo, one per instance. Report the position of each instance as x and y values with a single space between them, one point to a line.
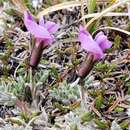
42 31
95 46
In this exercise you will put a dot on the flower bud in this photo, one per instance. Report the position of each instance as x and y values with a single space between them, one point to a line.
36 55
85 67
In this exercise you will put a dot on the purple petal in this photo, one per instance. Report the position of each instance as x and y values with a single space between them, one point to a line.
51 26
37 30
88 44
48 41
28 15
103 41
83 30
41 21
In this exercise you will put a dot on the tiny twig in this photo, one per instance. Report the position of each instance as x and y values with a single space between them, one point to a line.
94 109
114 105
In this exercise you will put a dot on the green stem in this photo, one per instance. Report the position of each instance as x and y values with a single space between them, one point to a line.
82 94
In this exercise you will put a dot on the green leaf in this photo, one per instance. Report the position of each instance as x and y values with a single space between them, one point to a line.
117 42
128 24
99 102
110 99
124 124
119 109
87 116
76 128
91 6
28 5
128 90
93 28
100 124
13 12
2 1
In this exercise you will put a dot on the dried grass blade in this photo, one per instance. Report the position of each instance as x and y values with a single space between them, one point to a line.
94 109
110 14
111 8
57 7
115 104
115 29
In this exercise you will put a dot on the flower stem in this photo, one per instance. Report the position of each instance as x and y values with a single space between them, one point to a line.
83 95
82 72
36 55
32 86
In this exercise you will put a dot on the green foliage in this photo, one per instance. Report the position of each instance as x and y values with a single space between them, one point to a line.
28 116
99 101
13 12
15 86
91 6
75 128
2 1
10 48
28 5
117 42
62 108
102 67
87 116
122 77
111 99
109 21
128 90
18 85
124 124
54 72
128 24
101 124
65 92
96 92
119 109
72 120
41 77
107 69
